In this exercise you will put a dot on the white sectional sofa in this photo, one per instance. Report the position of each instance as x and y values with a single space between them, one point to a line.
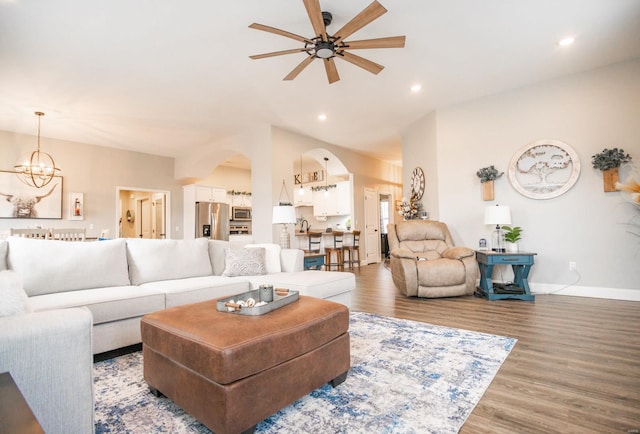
121 280
86 298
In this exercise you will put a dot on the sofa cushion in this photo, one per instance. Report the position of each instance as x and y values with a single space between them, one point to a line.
4 248
245 262
321 284
196 289
217 254
13 300
105 304
152 260
272 256
48 266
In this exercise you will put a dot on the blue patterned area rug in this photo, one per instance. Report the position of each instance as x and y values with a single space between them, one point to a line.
405 377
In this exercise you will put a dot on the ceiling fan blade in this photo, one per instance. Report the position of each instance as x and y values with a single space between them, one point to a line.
332 71
279 32
370 66
298 69
390 42
368 14
277 53
315 15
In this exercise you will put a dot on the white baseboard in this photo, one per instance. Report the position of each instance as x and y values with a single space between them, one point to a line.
586 291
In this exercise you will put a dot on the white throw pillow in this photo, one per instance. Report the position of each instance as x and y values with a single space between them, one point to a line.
272 256
245 262
13 299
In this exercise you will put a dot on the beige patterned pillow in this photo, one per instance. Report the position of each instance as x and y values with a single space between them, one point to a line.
245 262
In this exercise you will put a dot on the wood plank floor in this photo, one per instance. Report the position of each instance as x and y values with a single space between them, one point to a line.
575 368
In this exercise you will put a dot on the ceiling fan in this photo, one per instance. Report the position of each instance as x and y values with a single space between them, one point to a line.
327 47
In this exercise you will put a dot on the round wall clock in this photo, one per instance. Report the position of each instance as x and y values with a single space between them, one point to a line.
544 169
417 182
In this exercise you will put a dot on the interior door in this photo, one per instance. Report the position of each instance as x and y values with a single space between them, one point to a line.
145 218
372 226
159 216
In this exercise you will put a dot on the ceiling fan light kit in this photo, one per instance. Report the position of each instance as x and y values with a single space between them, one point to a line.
327 47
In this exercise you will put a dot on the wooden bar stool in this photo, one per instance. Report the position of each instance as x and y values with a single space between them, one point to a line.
315 238
351 252
334 248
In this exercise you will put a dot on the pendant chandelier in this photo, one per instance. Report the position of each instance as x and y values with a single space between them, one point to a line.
38 169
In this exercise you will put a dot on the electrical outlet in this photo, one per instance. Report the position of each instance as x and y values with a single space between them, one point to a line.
572 266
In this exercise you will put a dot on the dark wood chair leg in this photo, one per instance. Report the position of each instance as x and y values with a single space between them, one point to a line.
250 430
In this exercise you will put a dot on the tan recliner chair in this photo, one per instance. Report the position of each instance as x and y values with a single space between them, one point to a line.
425 262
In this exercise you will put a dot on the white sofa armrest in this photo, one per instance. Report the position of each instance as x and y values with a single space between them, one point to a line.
292 260
50 358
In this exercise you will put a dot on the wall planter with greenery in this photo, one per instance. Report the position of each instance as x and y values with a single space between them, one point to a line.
512 234
609 160
487 175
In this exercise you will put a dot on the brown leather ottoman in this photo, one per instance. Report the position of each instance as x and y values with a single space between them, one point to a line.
232 371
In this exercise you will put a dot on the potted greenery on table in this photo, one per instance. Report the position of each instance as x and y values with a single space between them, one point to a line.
609 160
487 175
512 234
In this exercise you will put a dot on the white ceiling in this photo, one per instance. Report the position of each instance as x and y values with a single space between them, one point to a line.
162 76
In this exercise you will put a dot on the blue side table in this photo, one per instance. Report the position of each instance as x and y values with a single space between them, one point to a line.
313 261
520 262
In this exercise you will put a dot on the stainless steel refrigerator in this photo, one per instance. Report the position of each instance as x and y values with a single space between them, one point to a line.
212 220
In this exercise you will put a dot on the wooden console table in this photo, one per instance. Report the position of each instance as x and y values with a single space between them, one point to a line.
520 262
15 414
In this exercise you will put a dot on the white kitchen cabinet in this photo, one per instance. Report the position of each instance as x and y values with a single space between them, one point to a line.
333 202
210 194
302 196
239 199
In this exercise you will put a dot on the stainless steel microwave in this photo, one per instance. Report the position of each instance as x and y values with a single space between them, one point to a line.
242 213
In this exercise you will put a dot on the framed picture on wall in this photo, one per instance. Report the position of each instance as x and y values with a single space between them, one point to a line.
21 201
544 169
76 206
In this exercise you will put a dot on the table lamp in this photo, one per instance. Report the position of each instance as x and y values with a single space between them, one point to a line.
497 215
284 215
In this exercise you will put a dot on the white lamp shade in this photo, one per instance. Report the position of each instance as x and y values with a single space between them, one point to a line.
497 215
284 214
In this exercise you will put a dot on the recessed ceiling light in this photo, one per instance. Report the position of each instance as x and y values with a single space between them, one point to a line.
416 88
565 42
322 117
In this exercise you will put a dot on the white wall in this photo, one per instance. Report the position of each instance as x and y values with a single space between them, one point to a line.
94 171
590 111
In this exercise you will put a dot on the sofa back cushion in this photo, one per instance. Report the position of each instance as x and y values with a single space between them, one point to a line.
49 266
422 237
4 247
152 260
217 254
272 256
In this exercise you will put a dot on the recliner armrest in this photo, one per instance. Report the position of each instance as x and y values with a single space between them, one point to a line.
457 253
403 254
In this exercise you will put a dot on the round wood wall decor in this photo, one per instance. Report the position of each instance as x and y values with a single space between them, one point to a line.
544 169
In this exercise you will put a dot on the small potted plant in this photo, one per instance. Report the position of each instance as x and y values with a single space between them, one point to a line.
609 160
487 175
512 234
